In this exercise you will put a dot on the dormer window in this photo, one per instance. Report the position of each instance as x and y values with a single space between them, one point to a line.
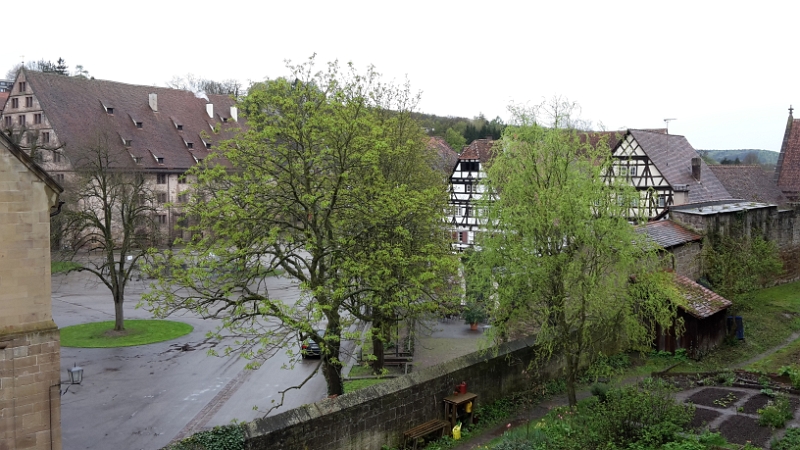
109 110
159 159
137 159
128 142
179 127
224 119
138 124
189 145
208 145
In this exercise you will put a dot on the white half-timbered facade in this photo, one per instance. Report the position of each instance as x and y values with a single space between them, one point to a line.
666 170
465 191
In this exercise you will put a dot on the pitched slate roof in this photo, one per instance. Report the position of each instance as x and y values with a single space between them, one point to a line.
447 156
749 182
700 302
667 233
480 149
76 109
672 155
787 172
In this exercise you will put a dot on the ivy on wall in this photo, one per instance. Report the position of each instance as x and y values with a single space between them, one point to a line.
229 437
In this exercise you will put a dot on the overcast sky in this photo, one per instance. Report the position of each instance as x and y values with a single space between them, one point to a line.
727 73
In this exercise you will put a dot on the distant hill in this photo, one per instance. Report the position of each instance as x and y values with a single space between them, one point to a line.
765 157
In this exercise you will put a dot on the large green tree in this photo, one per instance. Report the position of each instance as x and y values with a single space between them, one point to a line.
558 256
328 158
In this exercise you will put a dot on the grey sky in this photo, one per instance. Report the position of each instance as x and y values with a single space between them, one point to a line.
724 71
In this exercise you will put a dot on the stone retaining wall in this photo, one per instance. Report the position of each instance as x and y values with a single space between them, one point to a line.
377 415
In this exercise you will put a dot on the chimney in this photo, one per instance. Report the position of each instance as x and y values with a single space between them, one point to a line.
153 102
234 114
696 168
210 109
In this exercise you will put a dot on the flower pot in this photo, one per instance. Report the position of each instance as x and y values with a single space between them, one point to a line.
473 326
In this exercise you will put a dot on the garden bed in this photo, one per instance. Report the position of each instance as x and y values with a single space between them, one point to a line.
717 397
759 401
703 417
743 429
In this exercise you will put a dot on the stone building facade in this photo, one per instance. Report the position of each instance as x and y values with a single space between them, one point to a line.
29 338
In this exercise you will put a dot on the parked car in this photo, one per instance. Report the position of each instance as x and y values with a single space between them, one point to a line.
309 347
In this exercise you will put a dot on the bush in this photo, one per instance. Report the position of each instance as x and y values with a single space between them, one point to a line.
776 412
790 441
600 390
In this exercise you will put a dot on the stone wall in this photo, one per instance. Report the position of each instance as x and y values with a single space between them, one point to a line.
30 401
29 339
686 259
779 226
378 415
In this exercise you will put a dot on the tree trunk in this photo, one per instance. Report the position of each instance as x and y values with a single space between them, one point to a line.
570 379
377 347
332 369
119 324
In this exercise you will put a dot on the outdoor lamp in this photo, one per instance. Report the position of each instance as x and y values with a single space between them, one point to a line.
75 374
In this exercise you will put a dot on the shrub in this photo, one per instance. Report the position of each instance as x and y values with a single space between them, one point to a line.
793 373
600 390
776 412
790 441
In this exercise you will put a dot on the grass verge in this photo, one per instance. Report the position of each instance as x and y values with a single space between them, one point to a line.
63 266
137 332
354 385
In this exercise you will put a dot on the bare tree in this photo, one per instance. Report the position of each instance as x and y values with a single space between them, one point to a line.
198 84
110 220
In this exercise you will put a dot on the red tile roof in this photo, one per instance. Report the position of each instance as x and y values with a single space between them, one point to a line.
700 302
76 109
672 155
3 98
788 168
447 156
749 182
480 149
667 233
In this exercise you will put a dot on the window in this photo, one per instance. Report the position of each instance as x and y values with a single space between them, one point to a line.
161 197
15 102
183 198
29 102
180 127
8 122
137 159
662 200
37 118
161 178
110 111
182 221
208 145
468 187
60 177
160 159
138 124
56 157
161 219
22 86
182 178
189 145
632 171
623 171
127 142
45 137
21 120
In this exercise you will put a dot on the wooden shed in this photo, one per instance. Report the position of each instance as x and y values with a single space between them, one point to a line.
704 315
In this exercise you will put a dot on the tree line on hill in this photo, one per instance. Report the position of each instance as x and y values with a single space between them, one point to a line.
742 156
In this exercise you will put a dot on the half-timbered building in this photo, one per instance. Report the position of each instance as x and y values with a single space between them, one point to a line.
465 191
666 170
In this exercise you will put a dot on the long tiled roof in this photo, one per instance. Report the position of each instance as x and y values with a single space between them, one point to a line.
3 98
76 109
700 302
480 149
672 155
749 182
667 233
788 169
447 156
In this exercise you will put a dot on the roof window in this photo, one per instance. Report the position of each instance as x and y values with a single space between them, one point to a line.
136 159
178 126
159 159
189 145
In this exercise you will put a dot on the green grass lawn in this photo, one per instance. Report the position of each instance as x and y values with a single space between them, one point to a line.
137 332
769 319
62 266
354 385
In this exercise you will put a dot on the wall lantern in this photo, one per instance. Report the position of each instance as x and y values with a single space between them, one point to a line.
75 374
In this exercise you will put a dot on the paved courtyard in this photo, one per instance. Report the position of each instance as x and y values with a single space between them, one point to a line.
144 397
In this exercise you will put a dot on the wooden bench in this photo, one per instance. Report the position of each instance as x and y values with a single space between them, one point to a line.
425 429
